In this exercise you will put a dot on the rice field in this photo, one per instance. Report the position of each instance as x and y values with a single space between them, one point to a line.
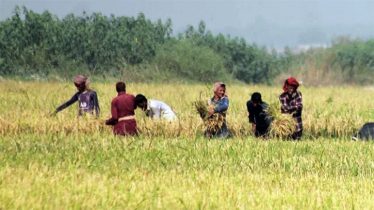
65 162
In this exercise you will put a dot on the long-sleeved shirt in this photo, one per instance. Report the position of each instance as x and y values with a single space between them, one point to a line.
123 106
160 110
222 104
88 102
293 105
258 116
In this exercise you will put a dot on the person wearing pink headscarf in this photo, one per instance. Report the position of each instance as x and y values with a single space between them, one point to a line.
221 101
292 103
87 98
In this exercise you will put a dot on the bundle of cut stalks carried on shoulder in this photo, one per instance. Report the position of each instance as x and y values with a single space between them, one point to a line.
283 125
213 123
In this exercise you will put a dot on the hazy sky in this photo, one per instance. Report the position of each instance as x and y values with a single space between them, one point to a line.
275 23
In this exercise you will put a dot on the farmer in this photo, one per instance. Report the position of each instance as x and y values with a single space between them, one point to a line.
291 103
86 97
123 111
257 115
221 101
155 109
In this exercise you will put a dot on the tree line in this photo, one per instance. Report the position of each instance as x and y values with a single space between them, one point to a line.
42 44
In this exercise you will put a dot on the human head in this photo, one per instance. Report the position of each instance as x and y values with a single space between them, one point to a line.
120 87
81 82
219 89
256 99
290 85
141 102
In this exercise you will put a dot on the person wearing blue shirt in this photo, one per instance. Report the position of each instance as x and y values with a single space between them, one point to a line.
221 101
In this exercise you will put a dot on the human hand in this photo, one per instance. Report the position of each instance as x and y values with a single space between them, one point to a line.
210 113
53 114
253 127
111 122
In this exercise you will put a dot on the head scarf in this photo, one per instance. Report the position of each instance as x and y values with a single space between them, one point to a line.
290 81
80 79
217 85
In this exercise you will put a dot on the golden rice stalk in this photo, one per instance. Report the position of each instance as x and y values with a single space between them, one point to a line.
155 128
283 125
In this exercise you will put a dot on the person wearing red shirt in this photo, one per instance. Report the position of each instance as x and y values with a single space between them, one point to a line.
123 111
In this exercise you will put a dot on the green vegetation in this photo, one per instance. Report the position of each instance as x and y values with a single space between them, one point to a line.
190 61
347 61
42 44
101 172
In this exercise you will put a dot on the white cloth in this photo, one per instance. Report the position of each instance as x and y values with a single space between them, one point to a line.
160 110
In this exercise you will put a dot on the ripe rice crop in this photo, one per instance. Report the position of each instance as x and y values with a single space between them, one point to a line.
26 108
65 162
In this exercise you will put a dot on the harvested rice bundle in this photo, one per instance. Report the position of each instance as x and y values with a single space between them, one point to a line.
201 108
283 125
213 123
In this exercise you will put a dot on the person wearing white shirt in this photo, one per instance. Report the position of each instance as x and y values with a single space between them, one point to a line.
155 109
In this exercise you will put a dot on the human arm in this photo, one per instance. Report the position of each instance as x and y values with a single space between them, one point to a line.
96 104
210 113
68 103
159 113
251 114
285 108
223 105
114 119
298 103
155 109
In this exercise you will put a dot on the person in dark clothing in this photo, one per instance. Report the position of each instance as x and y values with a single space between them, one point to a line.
87 98
257 115
123 111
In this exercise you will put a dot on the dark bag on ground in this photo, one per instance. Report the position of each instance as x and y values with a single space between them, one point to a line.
366 133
